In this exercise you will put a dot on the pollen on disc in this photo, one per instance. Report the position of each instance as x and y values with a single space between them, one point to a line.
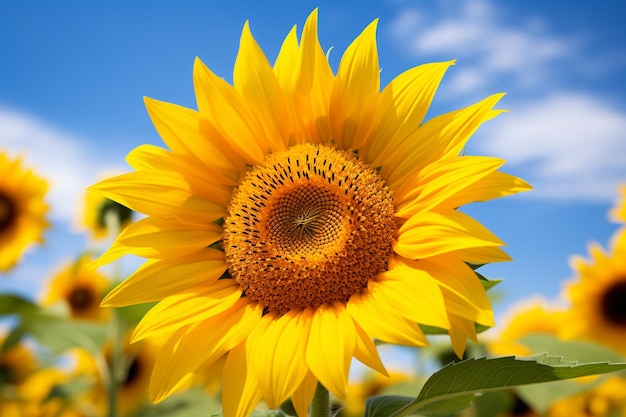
311 225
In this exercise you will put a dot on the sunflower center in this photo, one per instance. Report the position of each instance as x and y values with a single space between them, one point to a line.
613 303
134 372
8 212
81 299
311 225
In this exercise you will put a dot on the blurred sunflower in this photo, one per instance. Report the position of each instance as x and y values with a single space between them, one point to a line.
606 400
137 364
529 316
598 296
328 209
100 212
618 212
81 289
369 385
22 210
134 372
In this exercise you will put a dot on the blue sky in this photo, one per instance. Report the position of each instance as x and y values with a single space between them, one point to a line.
73 76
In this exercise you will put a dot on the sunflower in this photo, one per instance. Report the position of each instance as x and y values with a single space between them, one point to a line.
528 317
80 288
300 214
136 362
100 212
22 210
598 296
618 212
607 399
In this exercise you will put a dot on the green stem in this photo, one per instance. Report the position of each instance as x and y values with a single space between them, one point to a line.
320 406
115 362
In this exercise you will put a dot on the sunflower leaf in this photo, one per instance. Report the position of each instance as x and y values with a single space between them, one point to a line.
456 385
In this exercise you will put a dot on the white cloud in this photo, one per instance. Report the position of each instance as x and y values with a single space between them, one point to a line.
474 32
63 159
568 143
571 146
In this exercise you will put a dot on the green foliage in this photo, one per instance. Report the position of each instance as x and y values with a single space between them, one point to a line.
541 397
52 330
455 386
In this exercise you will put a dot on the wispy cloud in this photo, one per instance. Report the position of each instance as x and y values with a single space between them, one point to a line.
567 141
62 158
476 32
571 146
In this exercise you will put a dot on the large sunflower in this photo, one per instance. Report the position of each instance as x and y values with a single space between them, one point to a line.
22 210
598 296
299 215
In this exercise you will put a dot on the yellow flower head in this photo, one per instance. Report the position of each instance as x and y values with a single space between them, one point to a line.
17 363
607 399
81 289
530 316
135 367
618 213
598 296
298 215
22 210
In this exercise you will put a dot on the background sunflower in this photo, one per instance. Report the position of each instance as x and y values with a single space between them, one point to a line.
22 210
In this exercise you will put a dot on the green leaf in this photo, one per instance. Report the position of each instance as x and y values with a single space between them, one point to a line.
54 331
573 350
59 334
455 386
486 282
191 403
385 405
541 397
14 304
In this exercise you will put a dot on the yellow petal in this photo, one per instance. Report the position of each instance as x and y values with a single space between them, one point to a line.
240 391
462 290
163 194
255 79
414 294
365 351
441 137
495 185
182 309
216 184
440 181
155 280
303 395
226 115
355 91
461 330
331 346
180 129
313 84
480 256
403 106
277 356
284 66
374 318
197 345
156 238
429 234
